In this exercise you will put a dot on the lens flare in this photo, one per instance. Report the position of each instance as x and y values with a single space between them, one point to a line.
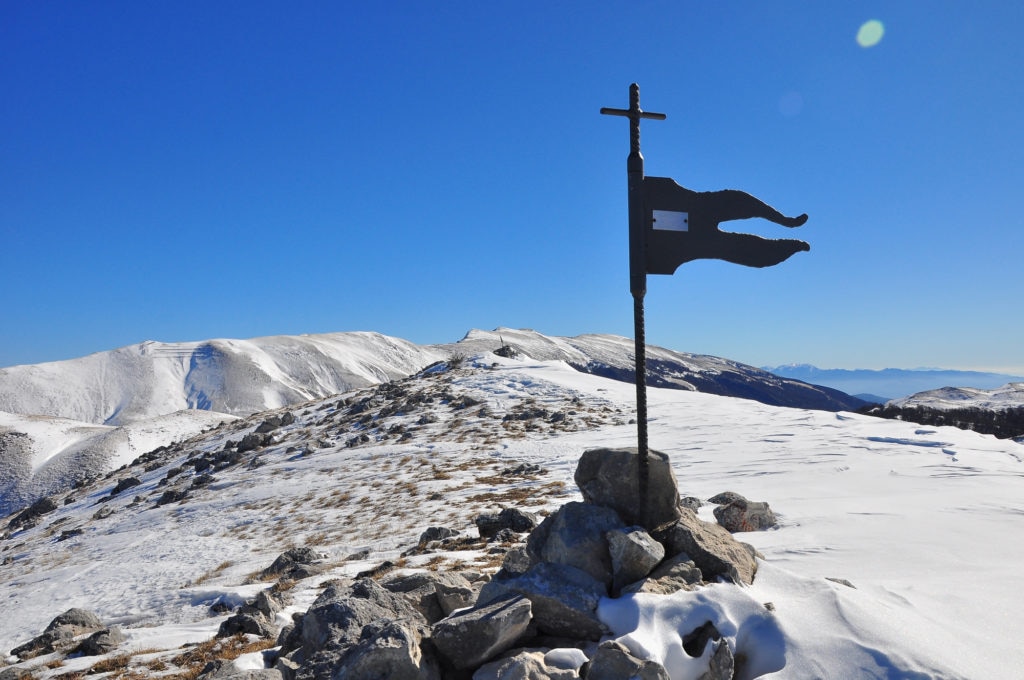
870 33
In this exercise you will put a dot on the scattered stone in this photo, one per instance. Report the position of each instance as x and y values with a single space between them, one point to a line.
70 533
725 498
840 581
743 515
523 470
471 637
31 515
294 564
253 441
59 634
172 496
102 642
691 502
609 478
514 519
436 534
613 661
124 484
528 664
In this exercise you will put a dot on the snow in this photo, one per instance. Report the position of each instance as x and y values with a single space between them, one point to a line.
921 522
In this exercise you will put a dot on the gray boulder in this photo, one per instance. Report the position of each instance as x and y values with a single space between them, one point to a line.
514 519
60 633
634 554
528 664
613 661
469 638
564 599
294 564
102 642
362 630
434 594
609 477
713 549
390 650
743 515
575 535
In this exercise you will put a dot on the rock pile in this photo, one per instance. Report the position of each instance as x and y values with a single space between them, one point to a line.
538 614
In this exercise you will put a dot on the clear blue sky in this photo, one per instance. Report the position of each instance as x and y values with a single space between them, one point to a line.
190 170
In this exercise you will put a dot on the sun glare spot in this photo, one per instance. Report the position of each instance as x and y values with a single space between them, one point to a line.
870 33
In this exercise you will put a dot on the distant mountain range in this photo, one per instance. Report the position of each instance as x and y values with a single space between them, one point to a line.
891 383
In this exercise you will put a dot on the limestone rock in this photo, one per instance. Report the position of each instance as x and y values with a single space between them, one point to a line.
295 564
743 515
608 477
528 664
471 637
434 594
613 661
519 521
102 642
634 554
674 574
564 599
712 548
59 633
574 535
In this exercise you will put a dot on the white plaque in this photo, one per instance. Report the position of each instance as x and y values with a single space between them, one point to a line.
669 220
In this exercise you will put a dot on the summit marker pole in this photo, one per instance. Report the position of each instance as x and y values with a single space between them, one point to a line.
638 273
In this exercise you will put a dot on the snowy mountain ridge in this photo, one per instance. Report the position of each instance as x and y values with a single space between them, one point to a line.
240 377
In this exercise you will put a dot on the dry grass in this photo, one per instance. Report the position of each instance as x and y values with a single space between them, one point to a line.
195 659
203 578
112 664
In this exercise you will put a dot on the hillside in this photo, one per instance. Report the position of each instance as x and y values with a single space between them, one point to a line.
891 383
81 415
168 547
998 412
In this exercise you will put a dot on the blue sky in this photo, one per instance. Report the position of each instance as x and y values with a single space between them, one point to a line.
191 170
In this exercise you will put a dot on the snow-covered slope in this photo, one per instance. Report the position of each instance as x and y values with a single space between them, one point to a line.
41 455
612 356
1006 397
920 521
238 377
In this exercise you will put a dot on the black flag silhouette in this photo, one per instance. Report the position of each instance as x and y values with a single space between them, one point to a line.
682 225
